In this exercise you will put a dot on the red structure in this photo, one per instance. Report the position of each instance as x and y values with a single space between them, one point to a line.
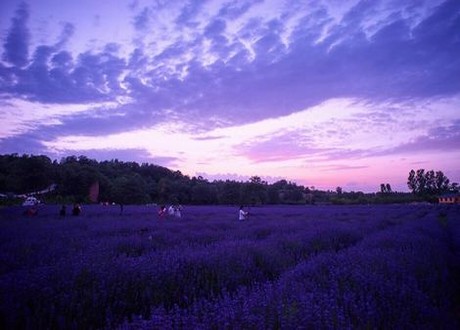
451 198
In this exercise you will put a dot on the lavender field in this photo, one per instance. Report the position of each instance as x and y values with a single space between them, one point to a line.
286 267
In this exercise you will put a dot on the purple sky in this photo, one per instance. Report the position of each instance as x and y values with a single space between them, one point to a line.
325 93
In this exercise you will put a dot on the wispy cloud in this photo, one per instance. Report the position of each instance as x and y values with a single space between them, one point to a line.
16 46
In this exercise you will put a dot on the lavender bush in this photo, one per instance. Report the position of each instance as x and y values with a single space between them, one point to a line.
326 267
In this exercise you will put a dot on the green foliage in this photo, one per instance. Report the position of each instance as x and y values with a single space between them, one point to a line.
385 188
75 178
285 192
24 174
129 189
131 183
429 183
228 192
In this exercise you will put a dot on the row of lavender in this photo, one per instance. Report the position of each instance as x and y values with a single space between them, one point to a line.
401 277
327 267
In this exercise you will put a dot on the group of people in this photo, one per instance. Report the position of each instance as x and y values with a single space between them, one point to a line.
174 211
76 210
171 211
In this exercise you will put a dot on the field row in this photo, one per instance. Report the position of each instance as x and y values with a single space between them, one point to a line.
326 267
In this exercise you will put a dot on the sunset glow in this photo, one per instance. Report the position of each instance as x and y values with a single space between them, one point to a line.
323 93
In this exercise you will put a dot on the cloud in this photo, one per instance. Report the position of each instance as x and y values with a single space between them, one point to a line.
278 147
16 46
265 68
400 61
439 139
22 144
207 138
101 120
55 77
233 10
189 12
141 21
215 27
343 167
24 117
68 30
31 143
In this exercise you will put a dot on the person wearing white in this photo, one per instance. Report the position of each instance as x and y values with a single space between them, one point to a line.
177 211
171 210
242 214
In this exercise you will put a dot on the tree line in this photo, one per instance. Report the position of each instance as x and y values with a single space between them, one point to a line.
428 183
132 183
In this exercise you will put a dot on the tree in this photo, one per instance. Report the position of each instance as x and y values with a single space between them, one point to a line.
130 189
25 174
254 191
429 183
164 189
411 181
442 182
388 188
76 179
228 192
204 193
385 188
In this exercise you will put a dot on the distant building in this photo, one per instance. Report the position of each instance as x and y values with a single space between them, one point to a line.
450 198
93 192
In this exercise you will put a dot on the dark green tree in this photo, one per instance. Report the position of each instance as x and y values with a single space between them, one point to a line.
385 188
203 192
388 188
254 191
26 173
429 183
228 192
130 189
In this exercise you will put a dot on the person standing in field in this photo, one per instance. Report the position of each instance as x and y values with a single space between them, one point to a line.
171 210
62 212
76 211
162 211
177 211
242 214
